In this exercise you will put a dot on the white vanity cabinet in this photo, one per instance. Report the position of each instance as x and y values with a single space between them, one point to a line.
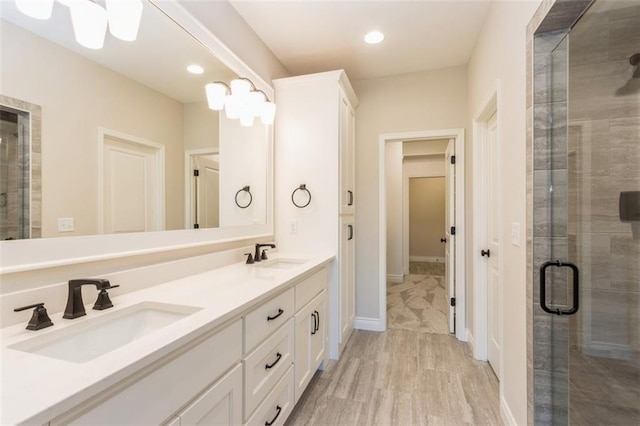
157 394
311 339
315 146
221 404
251 371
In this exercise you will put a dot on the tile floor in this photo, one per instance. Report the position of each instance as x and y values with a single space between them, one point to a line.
404 376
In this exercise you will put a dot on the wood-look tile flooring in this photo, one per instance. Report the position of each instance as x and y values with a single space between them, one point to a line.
401 377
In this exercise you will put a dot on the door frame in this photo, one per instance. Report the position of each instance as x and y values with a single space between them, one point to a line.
188 181
459 136
159 151
480 334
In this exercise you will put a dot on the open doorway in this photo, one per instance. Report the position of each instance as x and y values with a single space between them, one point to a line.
420 175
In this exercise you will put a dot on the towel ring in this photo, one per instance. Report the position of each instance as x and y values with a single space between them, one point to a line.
244 189
302 187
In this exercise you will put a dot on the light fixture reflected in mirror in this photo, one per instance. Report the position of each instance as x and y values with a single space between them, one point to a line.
38 9
89 19
241 99
124 18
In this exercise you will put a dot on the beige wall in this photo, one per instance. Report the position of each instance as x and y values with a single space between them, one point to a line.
499 54
426 217
200 126
393 173
429 100
77 97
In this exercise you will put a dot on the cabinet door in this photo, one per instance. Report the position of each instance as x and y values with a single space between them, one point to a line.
221 404
311 341
347 157
305 325
320 338
347 278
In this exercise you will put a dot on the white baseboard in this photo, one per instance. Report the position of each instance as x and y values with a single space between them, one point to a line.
471 341
370 324
506 413
395 278
431 259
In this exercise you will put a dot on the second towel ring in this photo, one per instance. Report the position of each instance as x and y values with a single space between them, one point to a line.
247 190
302 187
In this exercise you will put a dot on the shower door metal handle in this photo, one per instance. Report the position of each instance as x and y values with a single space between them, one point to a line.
543 288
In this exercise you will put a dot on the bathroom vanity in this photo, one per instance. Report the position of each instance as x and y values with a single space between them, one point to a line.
234 345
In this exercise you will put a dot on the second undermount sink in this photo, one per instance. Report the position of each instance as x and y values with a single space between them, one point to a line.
94 337
282 263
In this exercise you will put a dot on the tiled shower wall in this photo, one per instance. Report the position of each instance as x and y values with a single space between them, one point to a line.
29 171
604 159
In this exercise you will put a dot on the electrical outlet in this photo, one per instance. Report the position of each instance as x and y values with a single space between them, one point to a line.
65 224
515 234
293 227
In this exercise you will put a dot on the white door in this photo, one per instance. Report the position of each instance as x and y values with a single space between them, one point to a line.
132 190
493 239
347 279
450 215
207 192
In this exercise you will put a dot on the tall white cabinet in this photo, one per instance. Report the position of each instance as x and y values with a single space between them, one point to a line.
315 146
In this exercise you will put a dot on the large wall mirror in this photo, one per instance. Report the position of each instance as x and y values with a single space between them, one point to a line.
120 140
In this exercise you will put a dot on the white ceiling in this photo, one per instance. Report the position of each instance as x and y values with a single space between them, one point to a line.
312 36
157 59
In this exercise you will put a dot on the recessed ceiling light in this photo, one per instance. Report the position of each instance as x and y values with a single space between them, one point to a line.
195 69
374 37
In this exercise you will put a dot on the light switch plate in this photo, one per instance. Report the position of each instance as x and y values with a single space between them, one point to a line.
515 234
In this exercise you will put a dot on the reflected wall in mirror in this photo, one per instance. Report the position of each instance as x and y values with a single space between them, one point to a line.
121 129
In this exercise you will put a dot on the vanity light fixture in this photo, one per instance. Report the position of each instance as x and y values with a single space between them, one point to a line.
38 9
241 99
374 37
90 20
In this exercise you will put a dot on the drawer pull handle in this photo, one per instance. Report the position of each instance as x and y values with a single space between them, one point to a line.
280 312
318 322
315 323
278 409
268 366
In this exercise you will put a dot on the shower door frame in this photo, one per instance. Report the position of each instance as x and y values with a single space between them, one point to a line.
554 17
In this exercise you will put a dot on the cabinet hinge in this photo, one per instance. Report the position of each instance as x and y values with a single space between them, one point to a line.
453 230
196 172
453 301
453 159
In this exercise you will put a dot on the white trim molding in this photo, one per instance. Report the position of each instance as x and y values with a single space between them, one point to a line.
505 412
369 324
392 278
459 136
431 259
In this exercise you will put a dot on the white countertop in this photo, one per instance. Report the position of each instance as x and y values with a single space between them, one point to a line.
35 388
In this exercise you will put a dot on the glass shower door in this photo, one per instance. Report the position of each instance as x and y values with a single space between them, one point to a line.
587 313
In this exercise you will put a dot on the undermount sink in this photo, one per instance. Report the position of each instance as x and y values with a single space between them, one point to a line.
282 263
94 337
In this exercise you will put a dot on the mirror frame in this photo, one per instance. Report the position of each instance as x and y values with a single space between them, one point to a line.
32 254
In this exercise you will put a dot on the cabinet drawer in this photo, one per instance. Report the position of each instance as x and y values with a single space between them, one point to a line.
155 397
307 289
265 366
267 318
277 405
